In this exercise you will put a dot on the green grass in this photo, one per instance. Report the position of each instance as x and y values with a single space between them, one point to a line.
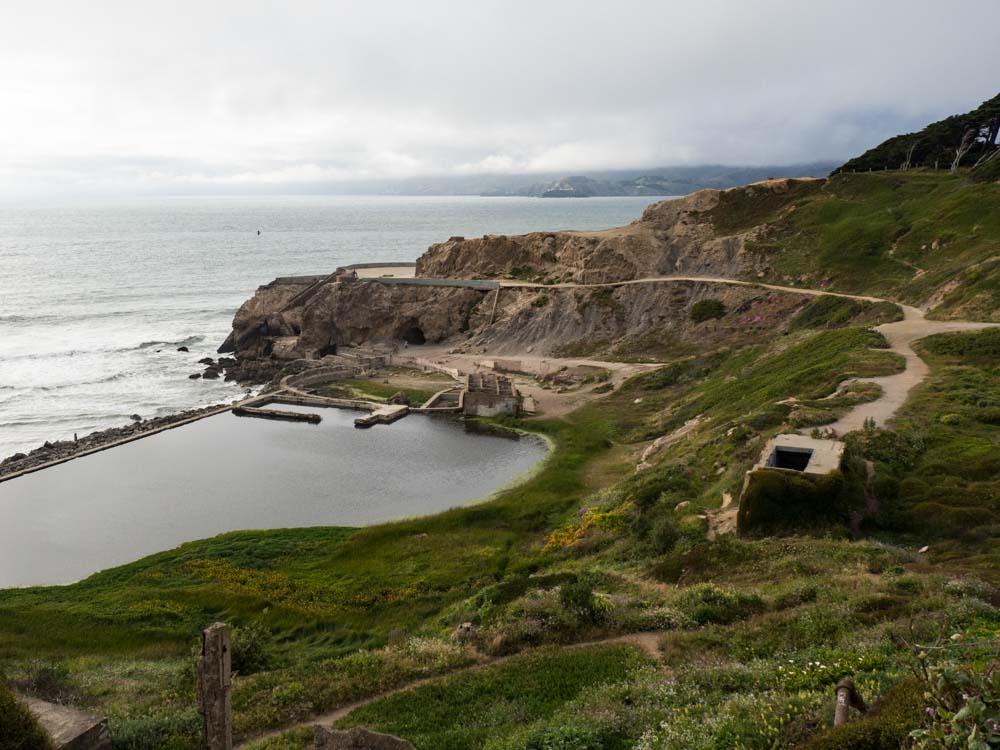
357 612
868 233
940 463
374 390
469 710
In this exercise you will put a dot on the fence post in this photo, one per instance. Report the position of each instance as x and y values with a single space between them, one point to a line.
847 696
214 686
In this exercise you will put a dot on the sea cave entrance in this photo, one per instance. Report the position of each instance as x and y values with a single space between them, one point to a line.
414 335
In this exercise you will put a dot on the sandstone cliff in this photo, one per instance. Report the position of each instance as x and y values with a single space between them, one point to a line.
679 236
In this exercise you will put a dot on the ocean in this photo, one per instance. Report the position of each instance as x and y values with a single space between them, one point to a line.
96 297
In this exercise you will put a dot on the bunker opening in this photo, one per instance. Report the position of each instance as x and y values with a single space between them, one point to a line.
796 459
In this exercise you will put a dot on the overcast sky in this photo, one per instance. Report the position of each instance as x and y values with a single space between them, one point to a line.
177 96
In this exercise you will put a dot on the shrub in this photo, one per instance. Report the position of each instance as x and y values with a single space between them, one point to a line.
578 597
780 501
251 648
664 534
158 732
826 312
983 345
541 301
886 727
709 603
18 729
707 309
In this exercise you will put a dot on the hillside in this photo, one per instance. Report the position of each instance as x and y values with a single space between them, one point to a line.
964 140
925 238
609 601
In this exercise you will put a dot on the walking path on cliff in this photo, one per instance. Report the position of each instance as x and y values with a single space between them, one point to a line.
900 335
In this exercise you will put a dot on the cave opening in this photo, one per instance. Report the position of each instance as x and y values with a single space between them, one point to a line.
414 335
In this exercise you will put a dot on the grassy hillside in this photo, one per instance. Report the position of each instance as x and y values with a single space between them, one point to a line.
585 550
906 236
605 602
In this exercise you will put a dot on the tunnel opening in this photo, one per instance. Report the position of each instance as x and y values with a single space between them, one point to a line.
326 350
414 335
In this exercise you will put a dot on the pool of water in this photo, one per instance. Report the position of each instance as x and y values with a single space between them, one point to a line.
226 473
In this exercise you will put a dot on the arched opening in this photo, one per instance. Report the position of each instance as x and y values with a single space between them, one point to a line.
328 349
413 335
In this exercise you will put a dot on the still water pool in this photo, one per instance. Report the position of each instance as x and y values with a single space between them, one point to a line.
225 473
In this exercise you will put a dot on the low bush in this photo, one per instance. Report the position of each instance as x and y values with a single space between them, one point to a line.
252 648
708 603
887 727
707 309
18 729
826 312
776 501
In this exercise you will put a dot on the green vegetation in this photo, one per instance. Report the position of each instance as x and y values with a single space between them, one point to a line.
775 501
890 234
18 729
707 309
830 311
482 708
936 145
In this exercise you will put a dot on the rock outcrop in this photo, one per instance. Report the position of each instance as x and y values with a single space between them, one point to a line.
671 237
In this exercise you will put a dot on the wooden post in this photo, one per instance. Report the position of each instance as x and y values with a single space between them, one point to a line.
214 686
847 696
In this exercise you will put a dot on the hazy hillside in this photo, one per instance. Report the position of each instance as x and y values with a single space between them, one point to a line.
964 140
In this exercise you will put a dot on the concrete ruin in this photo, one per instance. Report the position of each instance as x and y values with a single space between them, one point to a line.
489 395
68 728
811 457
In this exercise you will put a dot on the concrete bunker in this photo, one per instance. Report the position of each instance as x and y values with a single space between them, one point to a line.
799 453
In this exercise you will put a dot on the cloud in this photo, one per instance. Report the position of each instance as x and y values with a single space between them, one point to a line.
141 95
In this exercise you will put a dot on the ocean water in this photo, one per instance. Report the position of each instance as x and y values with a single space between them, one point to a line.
96 297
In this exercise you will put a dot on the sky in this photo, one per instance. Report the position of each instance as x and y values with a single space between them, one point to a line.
181 97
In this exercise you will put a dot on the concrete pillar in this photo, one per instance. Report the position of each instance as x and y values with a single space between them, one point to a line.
215 685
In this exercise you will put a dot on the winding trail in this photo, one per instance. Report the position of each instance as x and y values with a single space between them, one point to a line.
648 642
900 335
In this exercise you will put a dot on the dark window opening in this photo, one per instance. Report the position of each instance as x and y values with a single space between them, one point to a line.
791 458
413 335
296 330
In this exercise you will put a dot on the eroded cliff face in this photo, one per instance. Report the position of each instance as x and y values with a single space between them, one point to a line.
633 321
671 237
346 313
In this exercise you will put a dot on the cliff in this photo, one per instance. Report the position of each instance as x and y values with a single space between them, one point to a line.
671 237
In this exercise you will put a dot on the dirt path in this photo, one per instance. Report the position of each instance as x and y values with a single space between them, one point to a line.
900 335
896 388
648 642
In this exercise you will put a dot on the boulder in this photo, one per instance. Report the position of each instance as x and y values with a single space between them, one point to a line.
357 738
210 374
182 349
206 361
194 375
134 418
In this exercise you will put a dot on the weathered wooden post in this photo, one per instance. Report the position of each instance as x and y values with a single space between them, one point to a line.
214 686
847 696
